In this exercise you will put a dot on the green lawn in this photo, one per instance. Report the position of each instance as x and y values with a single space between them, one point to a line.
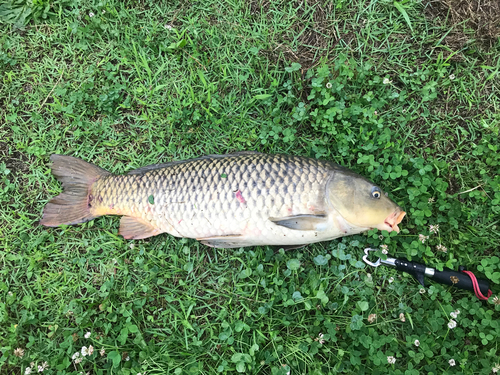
406 94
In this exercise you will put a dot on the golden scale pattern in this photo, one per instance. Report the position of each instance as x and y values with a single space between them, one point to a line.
213 195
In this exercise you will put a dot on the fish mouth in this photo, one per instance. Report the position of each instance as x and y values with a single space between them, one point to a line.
394 219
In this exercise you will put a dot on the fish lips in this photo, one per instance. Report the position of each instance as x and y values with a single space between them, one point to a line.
392 221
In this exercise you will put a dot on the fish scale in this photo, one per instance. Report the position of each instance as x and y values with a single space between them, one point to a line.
241 199
216 196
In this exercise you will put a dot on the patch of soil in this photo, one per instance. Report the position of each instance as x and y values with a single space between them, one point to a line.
16 162
477 20
309 37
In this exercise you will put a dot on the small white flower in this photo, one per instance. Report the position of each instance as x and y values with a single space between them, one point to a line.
434 228
422 238
402 317
10 294
91 14
169 27
417 343
451 362
87 335
384 248
78 360
27 371
328 85
103 11
391 359
127 359
84 351
441 248
386 81
452 76
321 340
496 368
422 290
91 350
430 200
75 356
391 280
372 318
375 113
452 324
19 352
496 300
102 352
457 311
131 246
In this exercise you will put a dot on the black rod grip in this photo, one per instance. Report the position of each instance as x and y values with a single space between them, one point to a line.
460 280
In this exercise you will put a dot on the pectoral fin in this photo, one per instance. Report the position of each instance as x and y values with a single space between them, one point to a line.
225 242
302 222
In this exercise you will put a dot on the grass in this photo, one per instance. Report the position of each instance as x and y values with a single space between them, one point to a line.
414 108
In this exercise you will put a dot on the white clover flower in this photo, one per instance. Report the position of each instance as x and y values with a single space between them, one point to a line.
417 343
27 371
10 294
78 360
127 359
422 290
328 85
87 335
452 324
391 359
434 228
402 317
169 27
391 280
457 311
19 352
451 362
384 248
372 318
452 76
430 200
441 248
496 300
321 340
453 314
496 368
75 356
102 352
91 14
386 81
91 350
422 238
103 11
84 351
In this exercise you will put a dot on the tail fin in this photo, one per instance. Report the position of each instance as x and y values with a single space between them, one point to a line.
72 205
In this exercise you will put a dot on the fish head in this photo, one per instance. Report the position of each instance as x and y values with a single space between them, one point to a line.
362 203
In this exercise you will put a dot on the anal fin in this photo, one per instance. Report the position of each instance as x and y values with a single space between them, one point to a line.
225 242
302 222
133 228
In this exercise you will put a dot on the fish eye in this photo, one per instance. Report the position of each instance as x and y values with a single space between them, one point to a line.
376 193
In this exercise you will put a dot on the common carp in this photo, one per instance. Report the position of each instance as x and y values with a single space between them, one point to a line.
225 201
